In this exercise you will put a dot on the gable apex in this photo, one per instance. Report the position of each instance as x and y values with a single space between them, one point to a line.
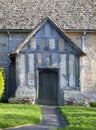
38 27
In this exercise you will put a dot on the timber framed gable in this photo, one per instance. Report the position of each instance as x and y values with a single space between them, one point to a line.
43 51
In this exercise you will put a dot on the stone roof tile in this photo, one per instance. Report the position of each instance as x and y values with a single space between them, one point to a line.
67 14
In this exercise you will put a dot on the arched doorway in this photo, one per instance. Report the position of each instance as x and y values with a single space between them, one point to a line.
48 87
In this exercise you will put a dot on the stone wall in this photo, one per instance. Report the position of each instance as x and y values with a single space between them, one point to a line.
8 42
68 14
75 98
87 63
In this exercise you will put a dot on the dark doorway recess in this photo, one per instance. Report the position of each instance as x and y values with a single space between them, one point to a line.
48 87
12 78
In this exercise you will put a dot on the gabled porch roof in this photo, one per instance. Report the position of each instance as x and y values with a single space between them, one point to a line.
43 22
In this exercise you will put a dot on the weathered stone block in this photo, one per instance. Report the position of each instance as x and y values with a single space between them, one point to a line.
75 98
24 100
25 92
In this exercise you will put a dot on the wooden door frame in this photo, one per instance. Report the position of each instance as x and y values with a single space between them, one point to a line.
50 69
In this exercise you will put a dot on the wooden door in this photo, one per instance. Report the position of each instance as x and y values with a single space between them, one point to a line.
48 87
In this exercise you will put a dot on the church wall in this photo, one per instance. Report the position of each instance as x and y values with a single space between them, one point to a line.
87 63
8 42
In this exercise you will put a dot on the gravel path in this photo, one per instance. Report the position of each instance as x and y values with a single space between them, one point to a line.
51 118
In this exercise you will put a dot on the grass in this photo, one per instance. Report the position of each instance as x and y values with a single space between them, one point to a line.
12 115
93 104
79 118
